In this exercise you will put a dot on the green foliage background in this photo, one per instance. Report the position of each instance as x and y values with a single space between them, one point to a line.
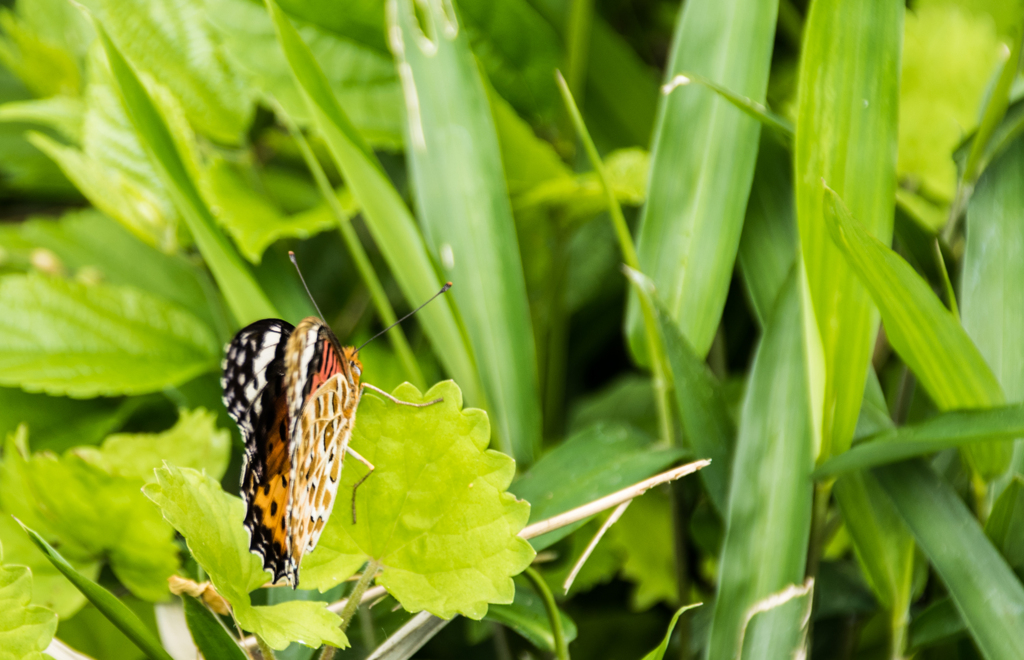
785 235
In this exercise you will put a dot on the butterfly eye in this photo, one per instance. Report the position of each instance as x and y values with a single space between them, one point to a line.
355 369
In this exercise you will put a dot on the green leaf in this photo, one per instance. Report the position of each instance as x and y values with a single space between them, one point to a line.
384 211
116 611
58 423
211 637
253 220
603 458
434 515
92 514
659 652
467 220
111 167
1005 524
211 522
168 41
64 337
988 595
705 418
247 302
846 134
939 622
526 616
941 90
193 442
768 244
363 79
64 114
991 301
44 65
769 516
702 164
924 333
92 246
25 630
944 431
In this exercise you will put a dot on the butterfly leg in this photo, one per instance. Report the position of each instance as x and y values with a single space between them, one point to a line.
399 401
354 454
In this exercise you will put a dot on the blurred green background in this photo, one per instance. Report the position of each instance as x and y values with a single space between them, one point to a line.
784 235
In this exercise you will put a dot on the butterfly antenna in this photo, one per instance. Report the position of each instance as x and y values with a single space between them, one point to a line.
447 285
291 255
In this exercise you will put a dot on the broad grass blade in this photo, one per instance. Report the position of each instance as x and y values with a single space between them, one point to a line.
768 244
769 516
465 212
112 608
702 164
702 409
1005 525
846 134
245 298
945 431
992 298
386 215
988 595
924 333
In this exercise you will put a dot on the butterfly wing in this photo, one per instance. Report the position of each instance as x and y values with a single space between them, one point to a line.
322 392
253 386
325 429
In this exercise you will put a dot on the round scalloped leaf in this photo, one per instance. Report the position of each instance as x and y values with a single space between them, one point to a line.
25 630
435 514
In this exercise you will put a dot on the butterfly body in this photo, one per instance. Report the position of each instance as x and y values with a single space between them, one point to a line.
293 392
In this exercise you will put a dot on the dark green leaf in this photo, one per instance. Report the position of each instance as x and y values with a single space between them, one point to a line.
602 459
987 594
211 637
1005 524
526 615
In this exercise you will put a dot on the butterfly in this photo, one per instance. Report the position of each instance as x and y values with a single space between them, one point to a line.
294 392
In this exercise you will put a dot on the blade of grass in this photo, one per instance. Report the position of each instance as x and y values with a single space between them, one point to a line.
987 594
112 608
992 299
702 164
769 516
846 133
748 106
247 301
655 348
396 336
386 215
769 242
554 618
465 212
702 409
924 333
945 431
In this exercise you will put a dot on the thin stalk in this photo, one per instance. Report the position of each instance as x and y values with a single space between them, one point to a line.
656 349
744 104
362 261
352 603
265 651
581 17
561 650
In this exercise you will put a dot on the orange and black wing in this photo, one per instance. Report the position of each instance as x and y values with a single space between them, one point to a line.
254 394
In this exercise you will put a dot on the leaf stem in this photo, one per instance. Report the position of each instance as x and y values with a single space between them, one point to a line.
356 597
655 348
362 261
561 650
265 650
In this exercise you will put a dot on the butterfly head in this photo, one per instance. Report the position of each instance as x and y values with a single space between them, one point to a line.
353 367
